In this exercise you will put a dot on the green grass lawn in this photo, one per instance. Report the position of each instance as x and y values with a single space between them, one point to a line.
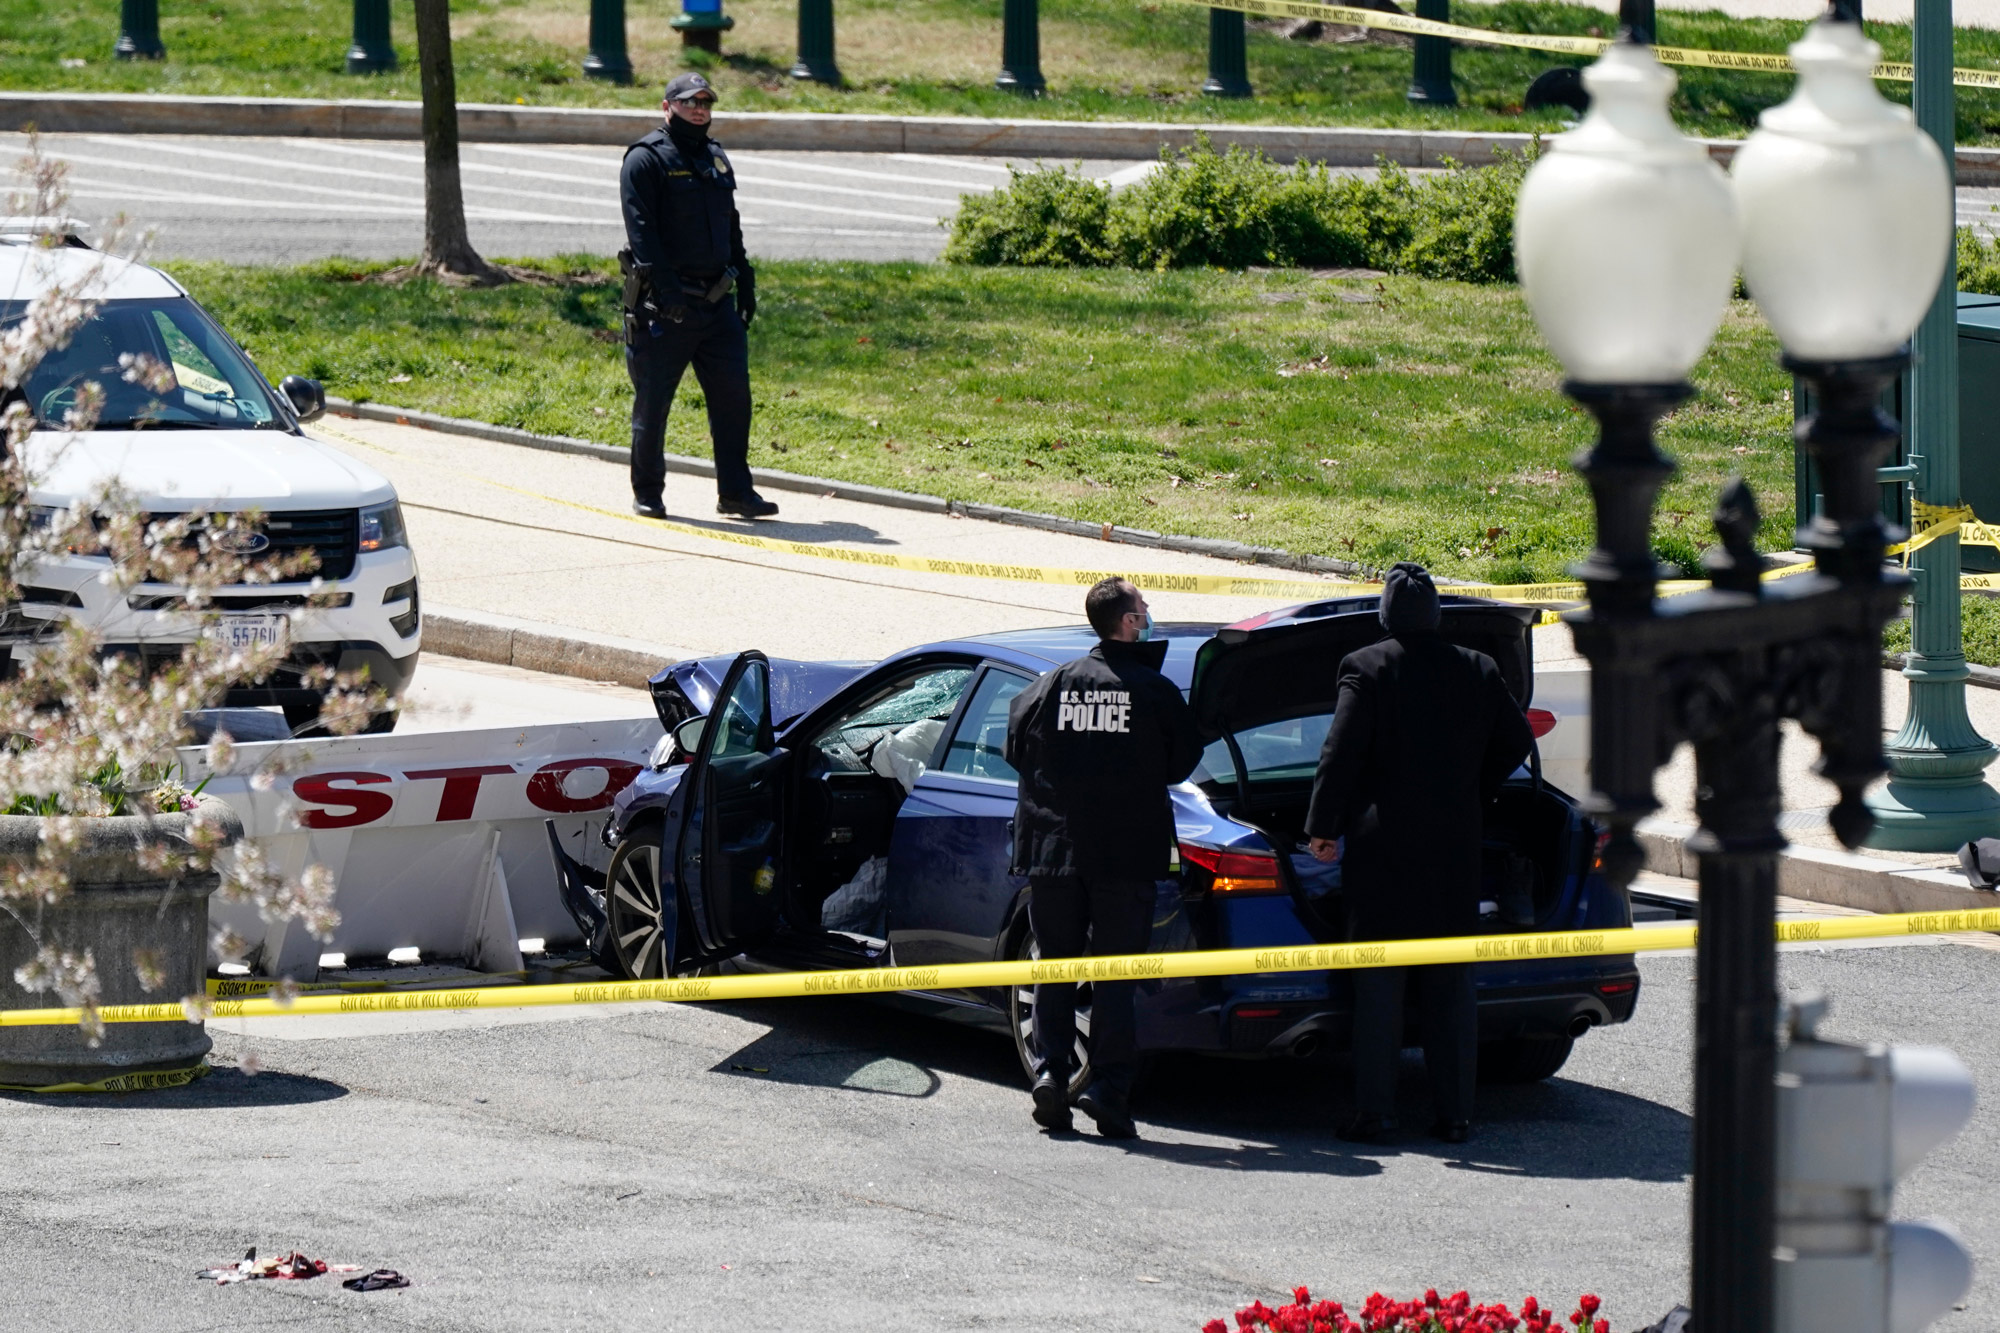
1980 621
1115 59
1370 420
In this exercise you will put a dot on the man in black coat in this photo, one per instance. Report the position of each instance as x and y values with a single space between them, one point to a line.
686 256
1097 742
1424 732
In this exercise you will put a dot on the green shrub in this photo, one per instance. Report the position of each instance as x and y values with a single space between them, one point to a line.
1050 217
1204 209
1978 263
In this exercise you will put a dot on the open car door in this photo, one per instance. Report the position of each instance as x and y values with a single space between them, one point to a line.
729 838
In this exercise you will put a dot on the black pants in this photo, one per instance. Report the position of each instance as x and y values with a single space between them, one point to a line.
1449 1019
1075 917
711 339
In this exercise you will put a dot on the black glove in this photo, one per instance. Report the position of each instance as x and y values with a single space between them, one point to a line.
746 297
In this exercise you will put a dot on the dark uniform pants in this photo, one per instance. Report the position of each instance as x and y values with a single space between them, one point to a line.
1449 1020
711 339
1074 917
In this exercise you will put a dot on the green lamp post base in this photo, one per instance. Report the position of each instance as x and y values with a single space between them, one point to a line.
703 31
1938 815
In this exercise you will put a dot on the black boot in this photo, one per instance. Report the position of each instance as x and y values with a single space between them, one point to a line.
1108 1109
649 508
1051 1096
747 505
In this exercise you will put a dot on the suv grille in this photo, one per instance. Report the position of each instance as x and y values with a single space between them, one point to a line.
331 533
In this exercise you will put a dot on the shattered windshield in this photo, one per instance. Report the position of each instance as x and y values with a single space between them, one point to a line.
199 379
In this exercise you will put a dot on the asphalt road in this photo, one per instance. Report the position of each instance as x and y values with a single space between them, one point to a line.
292 200
839 1164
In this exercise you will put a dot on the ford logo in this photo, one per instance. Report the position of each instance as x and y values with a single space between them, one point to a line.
242 543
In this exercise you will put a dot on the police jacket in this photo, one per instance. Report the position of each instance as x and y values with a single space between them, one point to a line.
1424 732
1097 742
679 198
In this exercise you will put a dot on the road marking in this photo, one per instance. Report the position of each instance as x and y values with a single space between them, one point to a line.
817 188
119 190
963 164
761 158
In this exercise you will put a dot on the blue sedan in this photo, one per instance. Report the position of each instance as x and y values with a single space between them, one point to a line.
803 815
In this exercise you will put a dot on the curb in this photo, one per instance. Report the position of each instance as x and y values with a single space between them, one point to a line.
1834 877
534 646
1215 547
129 113
1985 677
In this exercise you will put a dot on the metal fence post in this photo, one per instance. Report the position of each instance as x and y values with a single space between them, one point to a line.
1021 49
372 51
1430 76
1228 69
607 59
815 60
139 31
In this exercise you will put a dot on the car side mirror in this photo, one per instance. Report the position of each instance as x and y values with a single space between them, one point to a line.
687 736
308 397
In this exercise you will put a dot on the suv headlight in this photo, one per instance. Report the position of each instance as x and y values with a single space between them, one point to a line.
382 527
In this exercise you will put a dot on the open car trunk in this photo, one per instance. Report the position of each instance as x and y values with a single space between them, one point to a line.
1264 692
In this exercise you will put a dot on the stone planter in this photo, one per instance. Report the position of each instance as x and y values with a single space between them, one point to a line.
113 908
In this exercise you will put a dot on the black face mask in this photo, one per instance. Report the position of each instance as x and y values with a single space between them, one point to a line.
686 134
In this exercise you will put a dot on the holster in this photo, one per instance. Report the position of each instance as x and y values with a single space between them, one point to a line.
636 299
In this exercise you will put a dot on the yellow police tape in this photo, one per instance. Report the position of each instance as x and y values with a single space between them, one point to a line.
1693 57
1221 585
145 1081
1023 972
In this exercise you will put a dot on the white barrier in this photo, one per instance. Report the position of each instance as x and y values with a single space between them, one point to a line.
435 840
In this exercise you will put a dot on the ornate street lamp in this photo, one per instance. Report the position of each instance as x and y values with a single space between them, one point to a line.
1626 243
372 52
139 31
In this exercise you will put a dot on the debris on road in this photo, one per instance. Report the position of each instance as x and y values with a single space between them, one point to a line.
295 1266
379 1280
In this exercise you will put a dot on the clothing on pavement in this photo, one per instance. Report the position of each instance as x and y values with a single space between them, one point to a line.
1097 742
1423 734
678 194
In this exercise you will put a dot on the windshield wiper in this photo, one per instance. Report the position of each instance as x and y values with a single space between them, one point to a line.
156 423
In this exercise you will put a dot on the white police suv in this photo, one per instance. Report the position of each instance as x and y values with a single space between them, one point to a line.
220 439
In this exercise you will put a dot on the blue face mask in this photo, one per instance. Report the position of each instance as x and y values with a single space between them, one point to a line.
1146 631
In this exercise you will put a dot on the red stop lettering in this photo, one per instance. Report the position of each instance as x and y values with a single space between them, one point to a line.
545 788
461 787
362 807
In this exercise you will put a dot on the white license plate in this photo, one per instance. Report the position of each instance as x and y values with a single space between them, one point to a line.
251 631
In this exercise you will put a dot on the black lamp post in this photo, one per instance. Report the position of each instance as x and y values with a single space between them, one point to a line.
1021 49
607 59
1228 64
1627 239
815 60
139 31
372 51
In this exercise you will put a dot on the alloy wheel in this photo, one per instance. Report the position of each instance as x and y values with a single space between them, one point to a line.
1021 1015
642 917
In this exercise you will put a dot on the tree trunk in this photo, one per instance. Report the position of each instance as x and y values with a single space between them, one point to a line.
448 251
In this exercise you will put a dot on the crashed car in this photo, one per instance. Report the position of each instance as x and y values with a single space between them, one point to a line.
804 816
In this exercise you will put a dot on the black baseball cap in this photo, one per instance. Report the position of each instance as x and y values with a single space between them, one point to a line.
688 87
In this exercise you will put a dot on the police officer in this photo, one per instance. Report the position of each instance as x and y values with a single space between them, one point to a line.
1423 734
1097 742
684 259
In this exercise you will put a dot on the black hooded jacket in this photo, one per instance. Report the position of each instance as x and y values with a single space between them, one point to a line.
1423 734
678 194
1097 742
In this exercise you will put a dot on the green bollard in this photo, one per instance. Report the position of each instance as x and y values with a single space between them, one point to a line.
372 52
139 31
607 59
1021 49
1228 69
815 60
1430 81
701 24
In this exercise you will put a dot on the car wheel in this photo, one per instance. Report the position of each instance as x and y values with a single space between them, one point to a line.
1523 1059
303 719
642 918
1021 1016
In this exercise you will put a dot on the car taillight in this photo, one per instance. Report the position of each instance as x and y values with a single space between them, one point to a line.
1258 1013
1597 852
1618 988
1234 872
1541 721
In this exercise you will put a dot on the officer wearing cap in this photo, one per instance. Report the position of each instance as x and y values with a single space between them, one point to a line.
683 263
